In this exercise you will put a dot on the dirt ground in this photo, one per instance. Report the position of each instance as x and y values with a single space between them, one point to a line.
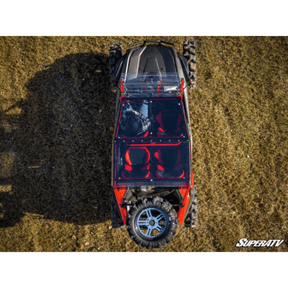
56 127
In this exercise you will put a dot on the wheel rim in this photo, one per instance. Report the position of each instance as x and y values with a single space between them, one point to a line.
151 223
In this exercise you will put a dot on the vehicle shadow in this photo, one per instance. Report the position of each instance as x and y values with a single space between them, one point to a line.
59 146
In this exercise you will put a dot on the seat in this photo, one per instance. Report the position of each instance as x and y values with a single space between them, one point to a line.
136 163
169 163
170 123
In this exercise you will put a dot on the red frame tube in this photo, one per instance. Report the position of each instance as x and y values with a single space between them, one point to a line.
119 194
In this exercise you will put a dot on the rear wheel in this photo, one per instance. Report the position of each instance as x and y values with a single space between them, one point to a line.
152 222
190 54
191 217
115 53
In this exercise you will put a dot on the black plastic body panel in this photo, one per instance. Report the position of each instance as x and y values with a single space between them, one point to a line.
151 58
184 64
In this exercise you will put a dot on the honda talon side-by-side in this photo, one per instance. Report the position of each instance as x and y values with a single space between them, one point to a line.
153 186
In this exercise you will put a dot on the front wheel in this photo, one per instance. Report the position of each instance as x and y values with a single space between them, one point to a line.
152 222
190 54
115 53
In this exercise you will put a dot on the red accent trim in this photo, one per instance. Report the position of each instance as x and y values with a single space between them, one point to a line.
159 167
121 86
154 144
182 175
154 99
160 129
183 190
128 167
156 154
153 137
147 175
186 198
182 85
148 155
119 194
127 157
146 134
192 178
159 156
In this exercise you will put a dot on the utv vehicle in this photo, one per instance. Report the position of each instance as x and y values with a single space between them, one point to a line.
153 186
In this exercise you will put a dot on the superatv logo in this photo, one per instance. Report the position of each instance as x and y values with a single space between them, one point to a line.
259 243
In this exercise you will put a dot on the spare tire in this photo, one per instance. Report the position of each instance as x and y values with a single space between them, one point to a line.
152 222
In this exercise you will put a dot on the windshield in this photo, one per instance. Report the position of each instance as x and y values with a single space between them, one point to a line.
153 118
151 84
